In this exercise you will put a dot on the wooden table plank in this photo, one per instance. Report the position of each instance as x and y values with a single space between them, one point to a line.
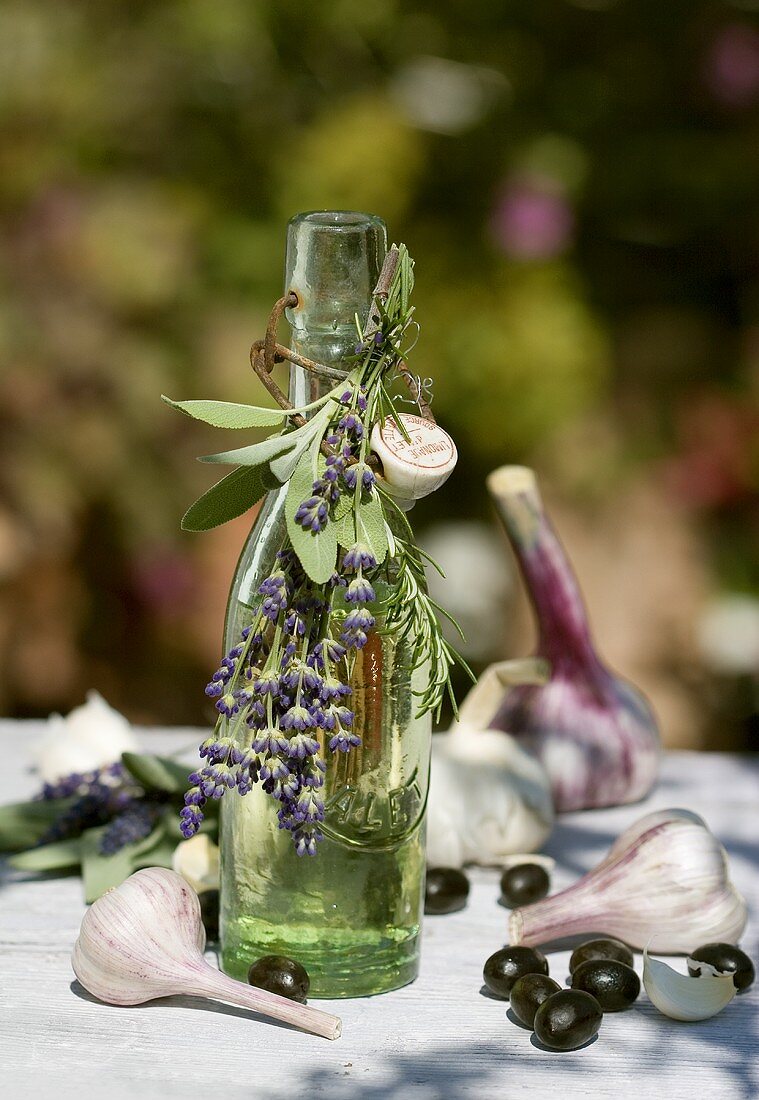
438 1038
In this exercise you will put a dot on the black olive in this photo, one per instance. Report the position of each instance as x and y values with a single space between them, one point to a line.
504 967
523 884
209 913
528 994
446 890
601 949
281 975
567 1020
728 959
614 985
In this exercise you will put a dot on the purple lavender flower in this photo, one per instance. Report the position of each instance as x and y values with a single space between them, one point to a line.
273 585
270 741
359 591
356 471
359 556
295 624
306 841
352 424
326 648
312 514
297 718
333 688
343 741
227 705
337 716
302 745
133 824
312 772
356 628
190 820
309 807
273 766
267 684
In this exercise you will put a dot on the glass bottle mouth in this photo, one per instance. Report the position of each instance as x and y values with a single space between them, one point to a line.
334 258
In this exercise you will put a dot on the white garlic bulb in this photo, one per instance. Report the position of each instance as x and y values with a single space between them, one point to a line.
488 797
144 939
89 737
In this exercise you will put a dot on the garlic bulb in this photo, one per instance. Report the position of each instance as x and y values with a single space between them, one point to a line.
684 998
144 939
665 876
89 737
197 861
594 732
488 797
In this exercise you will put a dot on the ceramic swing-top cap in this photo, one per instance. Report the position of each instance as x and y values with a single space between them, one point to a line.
415 467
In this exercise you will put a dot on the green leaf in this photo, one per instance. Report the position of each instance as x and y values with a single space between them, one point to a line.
61 856
317 552
157 773
228 498
367 527
23 824
100 872
258 453
227 414
284 465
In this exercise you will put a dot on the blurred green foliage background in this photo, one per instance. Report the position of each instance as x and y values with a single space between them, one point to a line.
578 181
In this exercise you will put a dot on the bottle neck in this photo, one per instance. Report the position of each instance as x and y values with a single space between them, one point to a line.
330 349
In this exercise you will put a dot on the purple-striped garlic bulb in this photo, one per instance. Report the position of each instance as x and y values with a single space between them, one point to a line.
144 939
665 878
595 733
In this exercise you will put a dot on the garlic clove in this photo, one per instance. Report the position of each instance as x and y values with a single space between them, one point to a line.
684 998
415 467
144 939
197 861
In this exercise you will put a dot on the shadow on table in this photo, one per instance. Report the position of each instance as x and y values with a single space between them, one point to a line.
458 1069
200 1004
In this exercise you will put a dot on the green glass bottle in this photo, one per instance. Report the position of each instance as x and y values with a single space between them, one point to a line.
351 914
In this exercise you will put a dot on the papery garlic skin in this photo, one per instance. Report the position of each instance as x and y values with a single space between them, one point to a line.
89 737
666 876
197 861
488 797
112 957
594 732
684 998
144 939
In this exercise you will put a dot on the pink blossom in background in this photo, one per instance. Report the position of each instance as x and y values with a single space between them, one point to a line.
532 219
731 69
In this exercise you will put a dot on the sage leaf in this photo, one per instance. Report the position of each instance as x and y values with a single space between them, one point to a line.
23 824
228 498
100 873
367 526
228 414
157 773
258 453
61 856
317 551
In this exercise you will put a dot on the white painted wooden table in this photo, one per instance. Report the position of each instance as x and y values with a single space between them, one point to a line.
438 1038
